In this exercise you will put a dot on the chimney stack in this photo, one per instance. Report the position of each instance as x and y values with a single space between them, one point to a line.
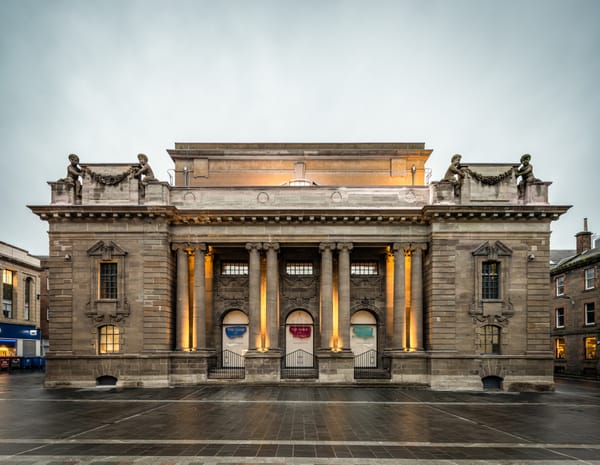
584 238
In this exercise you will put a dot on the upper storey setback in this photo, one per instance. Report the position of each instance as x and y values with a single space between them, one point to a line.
296 164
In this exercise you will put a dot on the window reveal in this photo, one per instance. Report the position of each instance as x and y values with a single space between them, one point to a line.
108 280
489 339
590 348
108 339
8 287
560 348
560 317
28 290
490 282
560 285
590 277
589 310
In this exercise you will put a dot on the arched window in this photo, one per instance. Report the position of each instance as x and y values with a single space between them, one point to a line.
108 339
489 339
490 280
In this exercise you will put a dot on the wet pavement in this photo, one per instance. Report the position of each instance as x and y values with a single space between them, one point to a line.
294 424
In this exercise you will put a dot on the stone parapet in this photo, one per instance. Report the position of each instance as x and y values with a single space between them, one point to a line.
289 197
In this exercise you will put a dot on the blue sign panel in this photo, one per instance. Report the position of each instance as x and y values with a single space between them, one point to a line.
235 331
19 331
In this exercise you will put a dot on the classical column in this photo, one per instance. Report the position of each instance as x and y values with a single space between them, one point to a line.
326 294
182 321
344 294
254 294
416 299
399 297
199 312
272 294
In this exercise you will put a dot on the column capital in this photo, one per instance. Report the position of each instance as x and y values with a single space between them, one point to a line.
418 246
270 246
323 246
253 246
185 246
345 246
400 246
198 246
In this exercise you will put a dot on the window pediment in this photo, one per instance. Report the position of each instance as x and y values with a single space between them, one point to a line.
107 250
497 249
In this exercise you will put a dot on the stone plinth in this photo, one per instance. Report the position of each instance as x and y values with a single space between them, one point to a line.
129 370
408 367
444 193
455 372
63 193
189 368
156 193
536 193
262 367
336 367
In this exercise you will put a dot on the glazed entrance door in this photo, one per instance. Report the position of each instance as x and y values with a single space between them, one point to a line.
299 347
235 339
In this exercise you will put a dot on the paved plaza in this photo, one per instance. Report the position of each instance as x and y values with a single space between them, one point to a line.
294 424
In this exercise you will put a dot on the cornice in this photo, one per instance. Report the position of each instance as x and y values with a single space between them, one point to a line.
439 213
101 212
283 217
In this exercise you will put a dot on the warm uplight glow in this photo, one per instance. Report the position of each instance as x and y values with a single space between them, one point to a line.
192 343
263 343
389 291
407 294
335 344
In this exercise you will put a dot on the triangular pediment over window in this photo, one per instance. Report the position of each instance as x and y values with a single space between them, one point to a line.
106 249
497 249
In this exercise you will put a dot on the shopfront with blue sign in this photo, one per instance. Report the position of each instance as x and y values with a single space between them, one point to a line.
19 340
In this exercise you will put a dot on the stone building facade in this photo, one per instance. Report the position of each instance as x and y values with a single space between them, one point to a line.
575 289
20 272
286 263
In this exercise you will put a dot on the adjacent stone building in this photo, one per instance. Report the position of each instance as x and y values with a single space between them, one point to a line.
575 302
20 318
287 263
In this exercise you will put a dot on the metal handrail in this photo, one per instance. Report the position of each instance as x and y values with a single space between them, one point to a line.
227 365
299 364
367 366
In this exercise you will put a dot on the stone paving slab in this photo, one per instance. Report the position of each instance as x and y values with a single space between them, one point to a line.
296 425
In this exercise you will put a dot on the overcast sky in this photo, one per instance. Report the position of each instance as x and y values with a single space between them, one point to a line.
109 79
